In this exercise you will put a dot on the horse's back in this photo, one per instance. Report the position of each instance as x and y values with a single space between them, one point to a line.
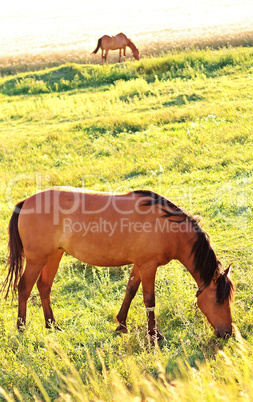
114 42
121 39
121 36
97 228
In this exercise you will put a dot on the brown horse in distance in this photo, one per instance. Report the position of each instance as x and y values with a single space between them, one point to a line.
120 42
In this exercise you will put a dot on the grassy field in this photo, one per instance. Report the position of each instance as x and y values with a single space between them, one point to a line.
181 125
152 44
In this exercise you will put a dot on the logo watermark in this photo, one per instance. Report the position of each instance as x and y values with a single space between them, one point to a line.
124 225
232 202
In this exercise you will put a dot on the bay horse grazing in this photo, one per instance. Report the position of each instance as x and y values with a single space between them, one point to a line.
120 42
140 228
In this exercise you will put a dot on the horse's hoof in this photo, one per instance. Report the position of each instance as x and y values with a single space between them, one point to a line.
57 328
53 325
157 337
20 325
121 330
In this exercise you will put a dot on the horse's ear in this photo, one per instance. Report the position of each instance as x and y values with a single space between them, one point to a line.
216 275
197 218
228 271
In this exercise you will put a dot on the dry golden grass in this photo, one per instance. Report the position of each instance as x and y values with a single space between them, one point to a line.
149 44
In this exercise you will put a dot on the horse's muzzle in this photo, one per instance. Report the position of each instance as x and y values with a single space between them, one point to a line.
223 334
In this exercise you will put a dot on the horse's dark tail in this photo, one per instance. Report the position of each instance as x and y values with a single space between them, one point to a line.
16 253
98 46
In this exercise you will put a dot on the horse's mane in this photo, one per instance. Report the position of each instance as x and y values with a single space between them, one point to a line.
205 259
131 44
156 199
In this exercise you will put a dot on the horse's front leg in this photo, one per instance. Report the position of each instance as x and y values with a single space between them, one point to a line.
148 285
132 287
105 55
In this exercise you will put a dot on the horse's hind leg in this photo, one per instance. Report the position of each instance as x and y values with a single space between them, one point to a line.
119 55
132 287
25 285
44 285
104 55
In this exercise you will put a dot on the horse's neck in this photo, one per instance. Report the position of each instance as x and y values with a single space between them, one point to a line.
131 45
188 262
185 255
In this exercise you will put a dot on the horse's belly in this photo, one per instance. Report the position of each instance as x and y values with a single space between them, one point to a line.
98 249
111 242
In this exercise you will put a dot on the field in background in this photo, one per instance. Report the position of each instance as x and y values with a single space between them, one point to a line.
181 125
151 45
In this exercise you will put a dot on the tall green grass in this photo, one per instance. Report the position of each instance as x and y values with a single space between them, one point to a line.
183 131
177 65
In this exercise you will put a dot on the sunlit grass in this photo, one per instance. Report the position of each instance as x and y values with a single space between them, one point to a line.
185 132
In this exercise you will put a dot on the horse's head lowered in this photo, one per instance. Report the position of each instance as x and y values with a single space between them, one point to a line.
214 300
136 54
216 290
